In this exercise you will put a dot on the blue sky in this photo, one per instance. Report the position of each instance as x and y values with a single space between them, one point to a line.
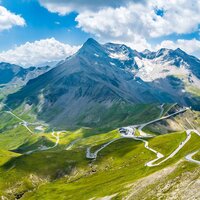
40 24
61 26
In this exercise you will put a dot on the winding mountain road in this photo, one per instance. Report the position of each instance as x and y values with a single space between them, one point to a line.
23 122
131 128
57 136
91 155
141 126
44 148
159 155
94 155
146 145
69 146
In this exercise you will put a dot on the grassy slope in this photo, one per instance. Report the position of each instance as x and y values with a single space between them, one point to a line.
166 144
118 165
176 184
197 156
12 139
5 156
46 165
65 173
173 182
177 123
113 117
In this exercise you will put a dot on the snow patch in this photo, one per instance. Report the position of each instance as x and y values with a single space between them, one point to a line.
152 69
119 56
96 55
112 63
39 128
183 90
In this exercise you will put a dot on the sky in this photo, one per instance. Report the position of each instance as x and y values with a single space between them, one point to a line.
33 32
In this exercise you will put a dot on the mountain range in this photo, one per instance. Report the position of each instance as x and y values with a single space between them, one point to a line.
13 77
86 86
108 122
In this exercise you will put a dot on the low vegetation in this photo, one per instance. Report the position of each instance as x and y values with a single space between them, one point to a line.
29 172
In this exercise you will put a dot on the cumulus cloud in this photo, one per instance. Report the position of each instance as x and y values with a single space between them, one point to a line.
179 16
132 22
117 25
8 19
189 46
38 52
66 6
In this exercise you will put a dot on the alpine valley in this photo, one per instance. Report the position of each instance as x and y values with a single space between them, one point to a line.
108 122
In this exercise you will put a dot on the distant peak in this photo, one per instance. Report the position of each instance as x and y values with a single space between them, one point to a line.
178 50
146 51
163 50
91 46
91 41
116 45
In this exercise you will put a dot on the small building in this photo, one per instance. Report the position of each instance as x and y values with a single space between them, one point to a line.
127 131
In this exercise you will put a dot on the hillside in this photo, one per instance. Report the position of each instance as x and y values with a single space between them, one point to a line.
85 84
109 122
99 78
53 164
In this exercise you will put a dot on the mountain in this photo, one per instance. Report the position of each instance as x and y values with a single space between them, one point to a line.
51 64
12 77
122 56
173 71
8 72
13 73
83 87
113 127
167 61
99 77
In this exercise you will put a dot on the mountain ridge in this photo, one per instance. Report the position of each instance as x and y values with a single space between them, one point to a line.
97 76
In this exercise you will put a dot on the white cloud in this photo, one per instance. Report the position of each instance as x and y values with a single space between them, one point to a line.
119 25
8 19
38 52
189 46
102 17
132 22
179 16
66 6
